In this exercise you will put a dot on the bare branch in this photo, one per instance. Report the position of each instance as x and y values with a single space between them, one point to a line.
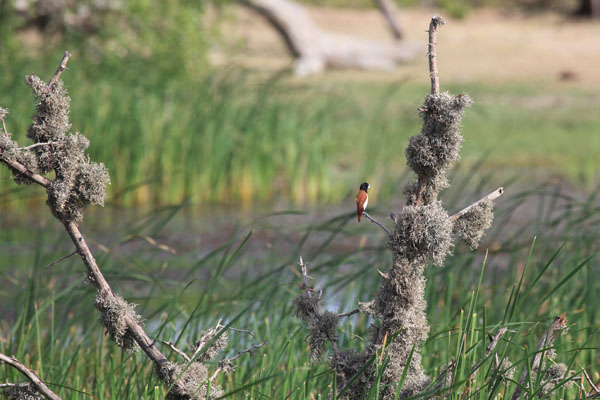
33 146
305 276
17 166
97 279
589 380
436 21
492 196
60 69
29 374
235 357
60 259
491 347
390 12
349 313
373 220
176 350
547 340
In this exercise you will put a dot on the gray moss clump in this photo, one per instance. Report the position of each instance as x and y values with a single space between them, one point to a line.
432 152
78 181
322 326
323 330
350 362
114 312
554 374
471 227
21 392
423 233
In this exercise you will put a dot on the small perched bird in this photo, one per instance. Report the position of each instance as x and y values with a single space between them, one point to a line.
362 199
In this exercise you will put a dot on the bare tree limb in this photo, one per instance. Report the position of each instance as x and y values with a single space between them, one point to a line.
432 53
389 9
33 146
349 313
316 50
491 347
176 350
492 196
29 374
547 340
373 220
17 166
60 69
589 380
235 357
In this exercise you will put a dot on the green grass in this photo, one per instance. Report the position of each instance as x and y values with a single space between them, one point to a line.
49 321
237 138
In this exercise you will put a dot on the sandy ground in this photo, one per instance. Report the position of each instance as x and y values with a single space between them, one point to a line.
486 46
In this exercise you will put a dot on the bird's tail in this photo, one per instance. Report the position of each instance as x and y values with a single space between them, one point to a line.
359 216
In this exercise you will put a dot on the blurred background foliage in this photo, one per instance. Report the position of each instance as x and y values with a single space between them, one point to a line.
171 126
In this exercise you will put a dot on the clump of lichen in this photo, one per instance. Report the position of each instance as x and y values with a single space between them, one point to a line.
436 147
188 381
322 326
553 375
78 182
471 226
423 233
349 363
114 313
23 391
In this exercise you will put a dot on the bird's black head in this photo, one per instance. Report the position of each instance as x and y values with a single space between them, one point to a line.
365 186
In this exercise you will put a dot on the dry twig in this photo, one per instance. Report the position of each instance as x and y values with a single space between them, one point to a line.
373 220
492 196
546 341
432 53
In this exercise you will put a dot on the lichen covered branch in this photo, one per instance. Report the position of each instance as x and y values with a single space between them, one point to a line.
35 382
77 182
556 372
423 234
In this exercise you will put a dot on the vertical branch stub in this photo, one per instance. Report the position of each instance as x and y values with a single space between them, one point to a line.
436 21
60 69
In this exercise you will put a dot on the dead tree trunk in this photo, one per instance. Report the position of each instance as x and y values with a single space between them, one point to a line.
316 50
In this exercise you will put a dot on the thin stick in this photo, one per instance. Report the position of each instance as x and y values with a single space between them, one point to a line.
4 127
491 347
492 196
33 146
349 313
248 350
59 70
99 282
390 13
176 350
436 21
373 220
29 374
547 340
589 380
60 259
17 166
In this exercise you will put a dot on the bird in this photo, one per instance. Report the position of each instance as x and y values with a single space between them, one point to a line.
362 199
